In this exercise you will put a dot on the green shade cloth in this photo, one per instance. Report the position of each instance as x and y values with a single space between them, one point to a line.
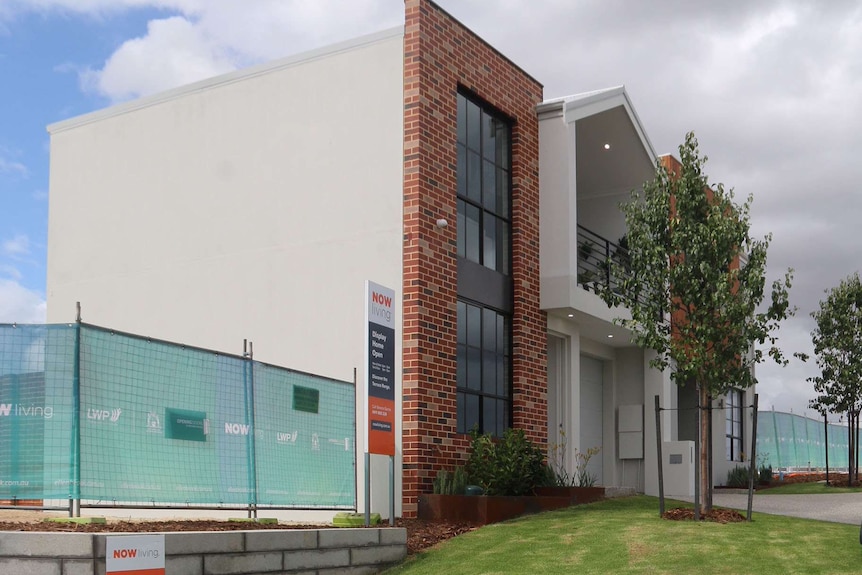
88 413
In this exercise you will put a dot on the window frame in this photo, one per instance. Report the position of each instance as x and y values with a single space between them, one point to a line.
734 425
469 387
493 220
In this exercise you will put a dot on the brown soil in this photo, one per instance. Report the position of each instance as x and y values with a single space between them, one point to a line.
715 515
420 534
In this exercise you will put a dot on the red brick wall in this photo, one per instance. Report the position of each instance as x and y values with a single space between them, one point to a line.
440 55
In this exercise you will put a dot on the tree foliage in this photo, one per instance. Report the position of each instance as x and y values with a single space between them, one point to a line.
837 339
692 259
837 344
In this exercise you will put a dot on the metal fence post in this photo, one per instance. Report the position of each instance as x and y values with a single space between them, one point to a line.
660 461
248 375
75 496
753 468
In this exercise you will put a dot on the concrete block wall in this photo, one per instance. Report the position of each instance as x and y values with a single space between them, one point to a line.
277 551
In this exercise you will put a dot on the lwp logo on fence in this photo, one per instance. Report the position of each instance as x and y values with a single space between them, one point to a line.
135 555
380 369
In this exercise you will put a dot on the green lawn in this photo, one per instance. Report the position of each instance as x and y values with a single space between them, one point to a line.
627 536
807 489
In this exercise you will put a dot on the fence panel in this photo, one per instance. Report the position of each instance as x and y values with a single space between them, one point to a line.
305 439
149 412
37 412
788 440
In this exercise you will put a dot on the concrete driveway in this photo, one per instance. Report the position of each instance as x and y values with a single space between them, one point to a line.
838 507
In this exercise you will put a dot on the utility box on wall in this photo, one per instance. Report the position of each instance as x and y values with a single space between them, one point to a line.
630 430
678 468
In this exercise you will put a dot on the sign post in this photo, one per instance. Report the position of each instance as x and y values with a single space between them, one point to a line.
379 383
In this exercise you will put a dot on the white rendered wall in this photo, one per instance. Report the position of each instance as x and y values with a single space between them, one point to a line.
253 205
558 221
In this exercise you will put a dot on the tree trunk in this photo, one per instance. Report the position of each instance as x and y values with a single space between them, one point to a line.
705 486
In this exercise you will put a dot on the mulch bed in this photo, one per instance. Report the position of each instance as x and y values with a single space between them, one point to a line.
421 534
714 515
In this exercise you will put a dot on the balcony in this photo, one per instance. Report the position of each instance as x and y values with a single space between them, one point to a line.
595 255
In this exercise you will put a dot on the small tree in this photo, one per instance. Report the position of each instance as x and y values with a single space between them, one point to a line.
837 344
694 285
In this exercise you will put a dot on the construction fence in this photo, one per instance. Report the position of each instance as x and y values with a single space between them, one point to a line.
87 413
794 442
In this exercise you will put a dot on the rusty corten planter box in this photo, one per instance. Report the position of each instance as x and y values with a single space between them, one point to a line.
485 509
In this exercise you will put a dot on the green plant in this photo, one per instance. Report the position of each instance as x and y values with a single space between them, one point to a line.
764 474
738 477
557 464
450 483
585 250
480 464
585 478
512 465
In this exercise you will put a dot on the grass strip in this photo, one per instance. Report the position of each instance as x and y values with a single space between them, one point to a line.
627 536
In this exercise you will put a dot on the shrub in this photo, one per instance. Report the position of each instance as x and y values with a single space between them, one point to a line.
512 465
450 483
764 474
738 477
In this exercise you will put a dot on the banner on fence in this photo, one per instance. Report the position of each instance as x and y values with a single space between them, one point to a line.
97 415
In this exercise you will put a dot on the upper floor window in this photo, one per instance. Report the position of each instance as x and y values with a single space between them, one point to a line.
484 186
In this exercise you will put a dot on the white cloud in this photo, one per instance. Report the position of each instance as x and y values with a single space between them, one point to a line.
207 39
16 247
10 271
18 304
13 168
10 8
174 52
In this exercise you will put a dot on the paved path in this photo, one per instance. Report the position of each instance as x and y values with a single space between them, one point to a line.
837 507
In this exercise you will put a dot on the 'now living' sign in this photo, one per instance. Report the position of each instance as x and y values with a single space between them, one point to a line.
135 555
380 369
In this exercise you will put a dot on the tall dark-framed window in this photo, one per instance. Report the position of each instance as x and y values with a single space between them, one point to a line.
733 424
484 186
484 197
484 368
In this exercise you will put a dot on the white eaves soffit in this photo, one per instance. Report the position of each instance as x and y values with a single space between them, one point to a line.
613 152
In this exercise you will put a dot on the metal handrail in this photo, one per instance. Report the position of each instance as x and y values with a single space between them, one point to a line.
595 254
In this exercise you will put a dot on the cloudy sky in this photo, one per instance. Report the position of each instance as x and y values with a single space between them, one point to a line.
772 90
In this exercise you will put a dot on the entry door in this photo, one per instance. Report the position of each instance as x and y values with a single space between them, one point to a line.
556 389
592 375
